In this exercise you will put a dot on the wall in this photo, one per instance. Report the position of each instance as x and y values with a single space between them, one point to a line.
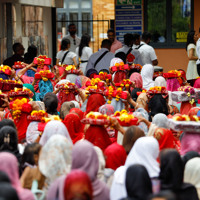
172 59
102 10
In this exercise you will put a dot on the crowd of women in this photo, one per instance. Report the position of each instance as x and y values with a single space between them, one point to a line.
61 158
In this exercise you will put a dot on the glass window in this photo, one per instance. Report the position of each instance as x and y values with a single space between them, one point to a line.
181 20
85 4
168 21
73 5
157 19
86 23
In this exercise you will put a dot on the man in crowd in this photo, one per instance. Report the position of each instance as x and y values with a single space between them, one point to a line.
17 56
147 52
115 43
101 59
74 39
127 49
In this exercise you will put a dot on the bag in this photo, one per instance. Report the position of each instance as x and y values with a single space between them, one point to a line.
38 194
64 57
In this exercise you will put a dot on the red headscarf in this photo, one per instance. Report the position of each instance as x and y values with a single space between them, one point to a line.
74 126
197 83
166 139
77 111
94 102
77 185
119 76
115 156
185 107
98 136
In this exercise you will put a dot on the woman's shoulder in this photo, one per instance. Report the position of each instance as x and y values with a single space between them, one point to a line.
191 46
72 54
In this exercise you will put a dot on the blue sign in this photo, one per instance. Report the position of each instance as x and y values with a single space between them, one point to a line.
128 19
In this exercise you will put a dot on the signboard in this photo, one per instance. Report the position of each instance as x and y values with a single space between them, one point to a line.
181 36
128 17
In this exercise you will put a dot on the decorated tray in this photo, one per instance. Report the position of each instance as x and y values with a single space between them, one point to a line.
37 115
125 118
19 65
185 123
96 118
71 69
42 60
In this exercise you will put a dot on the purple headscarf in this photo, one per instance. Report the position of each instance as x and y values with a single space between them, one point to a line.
85 158
9 165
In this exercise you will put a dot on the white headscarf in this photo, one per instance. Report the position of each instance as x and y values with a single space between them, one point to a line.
32 132
147 76
55 158
114 61
144 152
161 120
54 128
160 81
192 173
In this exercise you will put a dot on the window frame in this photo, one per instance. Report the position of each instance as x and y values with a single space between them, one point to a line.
169 44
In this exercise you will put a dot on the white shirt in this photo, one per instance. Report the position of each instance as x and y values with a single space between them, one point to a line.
147 53
198 50
73 42
68 59
86 53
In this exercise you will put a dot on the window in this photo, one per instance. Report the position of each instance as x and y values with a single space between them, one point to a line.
168 21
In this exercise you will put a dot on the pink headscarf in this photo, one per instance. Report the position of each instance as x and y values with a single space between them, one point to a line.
190 142
9 165
197 83
106 109
172 84
85 158
137 78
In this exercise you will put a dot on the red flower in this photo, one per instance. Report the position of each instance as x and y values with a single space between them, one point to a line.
26 107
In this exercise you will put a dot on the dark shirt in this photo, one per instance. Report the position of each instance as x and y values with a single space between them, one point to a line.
11 60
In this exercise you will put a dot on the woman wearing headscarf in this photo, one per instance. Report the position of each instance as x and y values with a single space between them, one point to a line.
54 128
85 158
78 185
147 76
77 111
160 81
55 158
171 175
192 173
189 155
94 102
9 165
137 79
30 87
74 126
139 187
98 136
160 130
144 152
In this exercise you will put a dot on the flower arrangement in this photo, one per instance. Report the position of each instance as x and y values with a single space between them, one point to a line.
136 66
130 58
37 115
20 92
190 92
71 69
19 65
156 74
120 67
111 92
18 106
157 90
125 118
42 60
45 75
104 77
194 118
69 87
95 86
125 83
96 118
172 74
7 85
48 119
5 69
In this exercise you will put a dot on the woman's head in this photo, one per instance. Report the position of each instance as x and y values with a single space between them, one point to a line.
157 104
85 40
130 137
8 139
31 154
191 38
65 44
51 103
